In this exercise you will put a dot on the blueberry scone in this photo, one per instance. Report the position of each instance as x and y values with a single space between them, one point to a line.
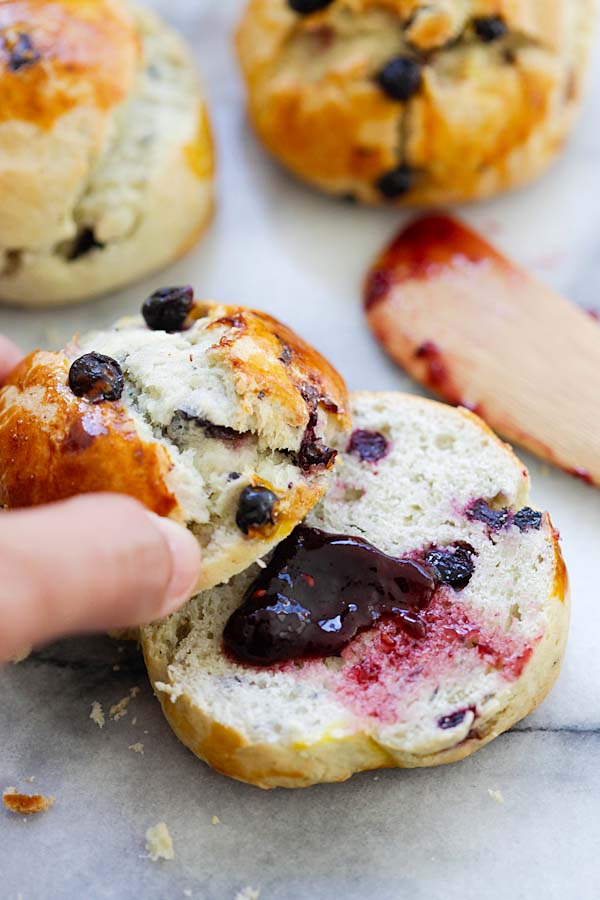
106 158
217 416
414 102
419 611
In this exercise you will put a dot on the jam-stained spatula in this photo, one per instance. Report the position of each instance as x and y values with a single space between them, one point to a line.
479 331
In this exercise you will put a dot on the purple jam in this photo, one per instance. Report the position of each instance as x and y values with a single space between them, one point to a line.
319 591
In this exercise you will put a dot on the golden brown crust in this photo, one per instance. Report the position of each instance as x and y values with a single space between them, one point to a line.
281 365
54 445
487 117
80 51
26 804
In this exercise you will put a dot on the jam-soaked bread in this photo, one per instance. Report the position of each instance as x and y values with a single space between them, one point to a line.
474 644
106 156
225 421
414 101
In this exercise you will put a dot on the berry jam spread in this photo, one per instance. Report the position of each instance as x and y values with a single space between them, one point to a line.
369 446
319 591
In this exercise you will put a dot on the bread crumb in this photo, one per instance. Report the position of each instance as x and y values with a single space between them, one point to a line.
248 893
216 820
134 692
137 748
30 779
134 720
496 795
159 843
26 804
97 714
261 563
119 710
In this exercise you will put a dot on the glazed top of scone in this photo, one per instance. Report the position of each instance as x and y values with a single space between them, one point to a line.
430 24
67 71
59 54
218 416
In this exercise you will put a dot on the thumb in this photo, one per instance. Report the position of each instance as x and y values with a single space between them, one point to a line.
91 563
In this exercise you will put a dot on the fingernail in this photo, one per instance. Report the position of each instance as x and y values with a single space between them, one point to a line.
185 556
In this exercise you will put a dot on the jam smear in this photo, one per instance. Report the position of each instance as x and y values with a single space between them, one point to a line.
319 591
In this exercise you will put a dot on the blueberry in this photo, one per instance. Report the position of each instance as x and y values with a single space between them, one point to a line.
528 518
453 565
96 378
496 519
397 182
306 7
400 78
22 53
490 28
369 446
453 720
255 508
168 308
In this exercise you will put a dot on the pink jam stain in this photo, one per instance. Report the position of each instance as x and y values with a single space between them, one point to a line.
383 672
582 475
594 314
425 249
437 376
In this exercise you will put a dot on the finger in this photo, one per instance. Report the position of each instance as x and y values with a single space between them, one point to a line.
9 357
91 563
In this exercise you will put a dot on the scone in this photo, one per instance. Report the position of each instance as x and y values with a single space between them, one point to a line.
106 158
217 416
413 101
342 657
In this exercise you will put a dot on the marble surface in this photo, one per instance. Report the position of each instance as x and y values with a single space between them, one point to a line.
393 835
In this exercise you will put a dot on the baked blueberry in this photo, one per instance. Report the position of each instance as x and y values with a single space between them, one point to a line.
168 308
528 518
306 7
255 508
396 182
453 720
369 446
401 78
495 519
454 565
22 53
96 377
490 28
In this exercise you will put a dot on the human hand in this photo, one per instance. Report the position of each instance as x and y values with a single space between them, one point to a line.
90 563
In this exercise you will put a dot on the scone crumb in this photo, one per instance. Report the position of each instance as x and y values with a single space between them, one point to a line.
248 893
137 748
119 710
496 795
97 714
159 843
134 692
26 804
30 779
216 820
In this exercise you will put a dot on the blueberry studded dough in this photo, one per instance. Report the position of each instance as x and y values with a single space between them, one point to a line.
399 101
